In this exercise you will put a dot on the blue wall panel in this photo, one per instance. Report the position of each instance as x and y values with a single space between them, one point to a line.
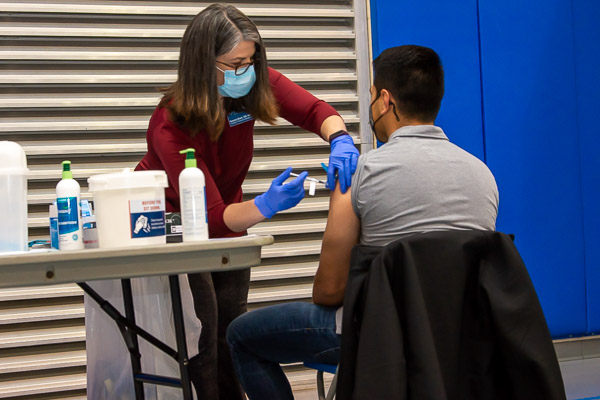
587 61
532 146
450 28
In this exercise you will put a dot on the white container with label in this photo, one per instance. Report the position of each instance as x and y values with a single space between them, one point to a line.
130 208
13 201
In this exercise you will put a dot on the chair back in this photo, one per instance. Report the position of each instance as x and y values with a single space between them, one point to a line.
445 315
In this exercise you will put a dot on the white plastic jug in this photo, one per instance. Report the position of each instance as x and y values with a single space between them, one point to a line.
130 208
13 201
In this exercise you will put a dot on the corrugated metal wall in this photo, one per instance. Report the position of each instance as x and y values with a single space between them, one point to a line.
79 81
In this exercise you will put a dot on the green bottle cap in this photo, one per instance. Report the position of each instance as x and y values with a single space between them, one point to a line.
190 160
66 170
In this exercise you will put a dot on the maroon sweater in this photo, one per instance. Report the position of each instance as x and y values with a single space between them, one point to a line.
224 163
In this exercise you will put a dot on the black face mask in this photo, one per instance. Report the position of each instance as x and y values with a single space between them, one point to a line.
372 123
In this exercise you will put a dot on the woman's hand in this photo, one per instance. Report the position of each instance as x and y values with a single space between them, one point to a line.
281 196
342 161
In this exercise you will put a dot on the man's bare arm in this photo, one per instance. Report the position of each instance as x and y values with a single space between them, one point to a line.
341 234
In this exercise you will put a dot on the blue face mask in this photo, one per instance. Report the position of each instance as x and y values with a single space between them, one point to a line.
237 86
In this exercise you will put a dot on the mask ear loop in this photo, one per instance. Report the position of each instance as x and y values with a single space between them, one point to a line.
395 115
371 122
373 102
391 102
381 116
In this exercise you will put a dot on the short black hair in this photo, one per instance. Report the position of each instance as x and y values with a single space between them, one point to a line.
414 76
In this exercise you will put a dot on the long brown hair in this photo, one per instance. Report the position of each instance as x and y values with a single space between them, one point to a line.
193 99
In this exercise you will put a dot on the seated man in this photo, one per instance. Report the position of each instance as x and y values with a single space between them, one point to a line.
417 182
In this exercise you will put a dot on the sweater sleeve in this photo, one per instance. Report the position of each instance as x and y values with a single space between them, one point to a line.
297 105
168 140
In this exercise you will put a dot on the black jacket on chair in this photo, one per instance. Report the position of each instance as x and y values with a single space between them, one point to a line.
445 315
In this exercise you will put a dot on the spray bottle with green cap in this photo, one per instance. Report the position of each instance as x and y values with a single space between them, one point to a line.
192 199
68 194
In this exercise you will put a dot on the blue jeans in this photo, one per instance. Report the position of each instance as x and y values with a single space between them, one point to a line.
294 332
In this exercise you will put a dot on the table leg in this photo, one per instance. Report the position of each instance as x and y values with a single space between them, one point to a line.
182 354
136 365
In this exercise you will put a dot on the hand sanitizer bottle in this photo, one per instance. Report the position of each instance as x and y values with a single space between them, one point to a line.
68 195
192 199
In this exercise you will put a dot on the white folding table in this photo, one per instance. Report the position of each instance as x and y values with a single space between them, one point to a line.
49 268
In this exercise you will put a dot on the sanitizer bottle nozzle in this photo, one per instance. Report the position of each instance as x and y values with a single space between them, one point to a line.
190 159
66 170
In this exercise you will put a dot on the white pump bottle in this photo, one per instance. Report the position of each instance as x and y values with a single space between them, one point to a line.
192 199
68 196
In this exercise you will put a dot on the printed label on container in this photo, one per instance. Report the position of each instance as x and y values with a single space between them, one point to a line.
147 218
193 211
68 215
54 233
90 237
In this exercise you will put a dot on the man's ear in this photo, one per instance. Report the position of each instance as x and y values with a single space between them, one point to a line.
386 96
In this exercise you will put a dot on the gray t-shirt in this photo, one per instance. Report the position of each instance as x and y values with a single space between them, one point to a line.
419 182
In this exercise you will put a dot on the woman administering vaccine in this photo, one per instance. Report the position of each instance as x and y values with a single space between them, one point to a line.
223 86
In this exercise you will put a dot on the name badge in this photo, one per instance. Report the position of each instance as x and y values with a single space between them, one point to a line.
238 117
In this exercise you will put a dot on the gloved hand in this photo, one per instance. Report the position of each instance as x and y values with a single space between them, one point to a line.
141 223
342 160
281 196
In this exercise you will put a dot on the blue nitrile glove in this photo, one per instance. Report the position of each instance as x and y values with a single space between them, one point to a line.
342 160
281 196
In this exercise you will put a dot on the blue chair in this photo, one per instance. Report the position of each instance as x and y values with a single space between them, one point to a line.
329 368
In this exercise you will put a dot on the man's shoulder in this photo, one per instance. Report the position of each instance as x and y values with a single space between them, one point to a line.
470 159
415 158
390 152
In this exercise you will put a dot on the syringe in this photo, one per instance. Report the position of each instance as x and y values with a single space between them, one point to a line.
308 178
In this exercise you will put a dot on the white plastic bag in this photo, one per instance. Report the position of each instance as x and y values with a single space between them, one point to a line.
109 375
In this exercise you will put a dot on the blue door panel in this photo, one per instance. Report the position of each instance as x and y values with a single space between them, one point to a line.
529 99
450 28
587 62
